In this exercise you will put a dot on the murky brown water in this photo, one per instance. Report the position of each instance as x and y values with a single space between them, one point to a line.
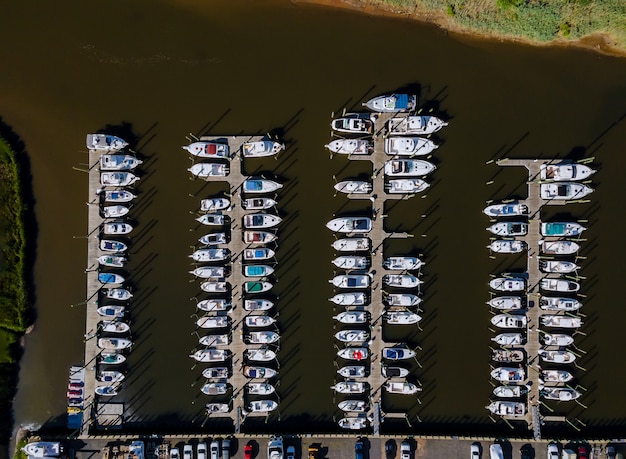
165 69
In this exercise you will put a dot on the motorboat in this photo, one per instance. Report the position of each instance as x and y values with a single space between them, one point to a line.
557 339
559 304
509 339
222 339
402 263
114 211
253 221
352 336
556 376
350 299
558 266
203 255
257 270
262 406
259 321
415 125
259 185
353 187
508 284
562 394
401 318
204 170
397 353
258 305
509 321
408 167
117 179
209 272
351 281
392 103
260 253
506 302
111 358
211 219
215 286
562 229
259 237
352 371
257 388
118 196
114 344
559 247
508 374
353 123
402 299
349 262
401 280
110 278
119 294
106 391
352 244
258 203
109 245
507 246
353 317
113 326
260 355
558 356
352 423
116 227
350 387
213 239
215 388
409 146
262 337
507 355
510 209
557 321
509 391
105 142
256 287
255 372
114 261
509 228
212 408
400 186
118 162
559 285
204 149
109 376
503 408
261 148
564 190
43 449
213 304
405 388
351 146
355 406
350 225
393 371
214 204
211 355
216 373
565 171
213 322
353 353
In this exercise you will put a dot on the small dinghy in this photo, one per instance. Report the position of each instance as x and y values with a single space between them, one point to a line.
392 103
351 423
509 321
507 246
408 168
213 239
259 185
562 394
114 327
562 229
556 339
565 171
205 170
509 391
415 125
350 225
559 247
117 179
260 388
548 303
209 272
401 280
353 187
256 287
356 406
556 376
262 406
510 409
405 388
114 211
353 123
259 321
108 376
564 190
401 318
211 219
118 162
550 320
215 287
260 355
111 358
402 299
509 229
508 284
402 263
349 262
352 371
105 142
212 408
397 353
256 221
211 355
258 203
559 285
114 344
261 148
216 373
260 253
215 388
351 281
203 149
110 278
506 302
255 372
401 186
118 196
350 387
114 261
507 356
258 237
119 294
353 317
205 255
108 245
116 228
349 299
512 209
508 374
213 322
258 305
561 267
214 204
262 337
215 340
213 304
509 339
393 371
106 391
352 336
558 356
353 353
351 146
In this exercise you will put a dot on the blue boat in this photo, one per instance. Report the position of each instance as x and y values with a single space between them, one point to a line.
257 270
258 185
561 229
110 278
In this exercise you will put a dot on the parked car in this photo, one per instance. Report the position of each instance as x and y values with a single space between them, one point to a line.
405 450
291 452
187 452
495 451
553 451
215 449
610 452
275 448
247 451
475 450
313 451
527 452
390 449
174 453
359 449
201 450
582 452
226 448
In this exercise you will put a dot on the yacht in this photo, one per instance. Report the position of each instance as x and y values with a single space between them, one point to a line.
562 229
105 142
260 355
214 204
392 103
507 355
351 146
258 305
400 186
213 322
257 388
215 388
353 187
349 262
215 286
119 294
559 285
114 211
116 227
559 304
111 358
352 336
508 284
397 353
509 321
509 339
564 190
356 406
255 372
261 148
401 299
255 221
559 247
118 162
509 391
211 355
352 423
212 408
350 225
117 179
110 278
562 394
114 261
203 255
109 245
393 371
509 229
43 449
213 304
258 203
257 185
211 219
405 388
259 237
352 244
556 376
353 123
409 146
402 263
257 270
256 287
506 302
215 340
109 376
502 408
350 299
401 280
350 387
558 356
401 318
507 246
556 339
352 371
351 281
550 320
512 209
415 125
508 374
258 321
262 337
262 406
257 254
106 391
408 167
213 239
113 326
353 317
203 149
114 344
353 353
209 272
557 266
118 196
565 172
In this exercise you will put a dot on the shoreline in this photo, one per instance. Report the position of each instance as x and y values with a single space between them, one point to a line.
599 43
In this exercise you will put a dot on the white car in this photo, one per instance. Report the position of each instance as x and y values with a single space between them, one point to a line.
275 448
475 450
187 452
405 450
201 451
215 449
174 453
553 451
495 451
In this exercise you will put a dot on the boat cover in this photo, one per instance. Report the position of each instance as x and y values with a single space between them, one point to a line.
402 101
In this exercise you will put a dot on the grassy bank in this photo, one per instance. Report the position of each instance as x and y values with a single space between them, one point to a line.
539 21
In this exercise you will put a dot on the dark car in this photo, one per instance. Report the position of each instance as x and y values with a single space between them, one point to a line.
390 449
359 448
527 452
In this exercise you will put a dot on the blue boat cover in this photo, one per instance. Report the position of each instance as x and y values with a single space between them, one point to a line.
402 100
253 185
